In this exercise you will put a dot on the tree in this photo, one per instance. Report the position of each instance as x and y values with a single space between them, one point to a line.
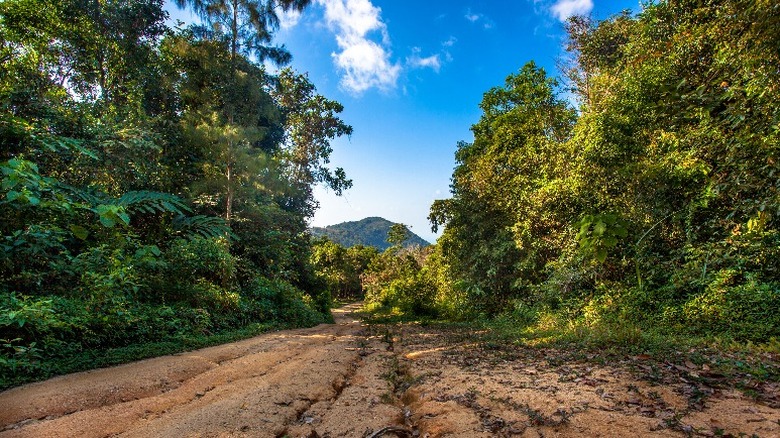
230 141
247 25
397 235
311 122
94 50
499 230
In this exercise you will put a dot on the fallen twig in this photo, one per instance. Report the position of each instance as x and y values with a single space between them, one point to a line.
395 429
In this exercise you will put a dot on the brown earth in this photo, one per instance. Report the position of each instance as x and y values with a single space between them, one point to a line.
350 379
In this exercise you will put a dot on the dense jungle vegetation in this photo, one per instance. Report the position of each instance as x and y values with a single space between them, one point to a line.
156 181
156 186
649 211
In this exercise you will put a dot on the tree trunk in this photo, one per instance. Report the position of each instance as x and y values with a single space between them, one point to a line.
229 201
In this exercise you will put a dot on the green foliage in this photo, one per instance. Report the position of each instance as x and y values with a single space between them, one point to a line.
600 233
311 123
246 25
674 147
396 279
746 312
511 207
280 301
147 189
342 268
397 234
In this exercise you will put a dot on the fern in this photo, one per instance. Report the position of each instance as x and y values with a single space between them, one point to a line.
204 226
109 210
152 202
84 197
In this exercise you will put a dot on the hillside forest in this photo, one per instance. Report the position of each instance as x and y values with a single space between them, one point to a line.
371 231
157 184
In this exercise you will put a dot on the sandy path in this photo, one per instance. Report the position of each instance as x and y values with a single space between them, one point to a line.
260 387
351 380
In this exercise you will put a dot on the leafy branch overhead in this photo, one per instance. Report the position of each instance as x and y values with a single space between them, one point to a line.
311 123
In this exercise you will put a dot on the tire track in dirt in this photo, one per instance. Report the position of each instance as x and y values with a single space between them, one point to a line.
260 387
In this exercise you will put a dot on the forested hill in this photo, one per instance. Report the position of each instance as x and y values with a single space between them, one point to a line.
371 231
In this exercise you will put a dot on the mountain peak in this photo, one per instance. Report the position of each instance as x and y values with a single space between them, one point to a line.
371 231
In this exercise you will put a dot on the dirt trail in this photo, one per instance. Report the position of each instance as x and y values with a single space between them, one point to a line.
348 379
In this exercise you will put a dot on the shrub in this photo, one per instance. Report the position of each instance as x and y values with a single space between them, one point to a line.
748 311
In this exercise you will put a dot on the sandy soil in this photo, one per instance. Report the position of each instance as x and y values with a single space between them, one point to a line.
348 379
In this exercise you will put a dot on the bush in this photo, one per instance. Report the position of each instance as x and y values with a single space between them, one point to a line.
280 301
749 311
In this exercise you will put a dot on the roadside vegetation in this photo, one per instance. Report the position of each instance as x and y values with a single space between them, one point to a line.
644 221
156 182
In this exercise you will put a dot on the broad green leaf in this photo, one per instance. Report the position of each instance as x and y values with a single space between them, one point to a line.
12 195
601 254
124 217
79 231
599 228
107 222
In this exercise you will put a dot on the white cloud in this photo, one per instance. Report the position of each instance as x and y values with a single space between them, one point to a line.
416 61
450 42
288 19
364 63
472 17
563 9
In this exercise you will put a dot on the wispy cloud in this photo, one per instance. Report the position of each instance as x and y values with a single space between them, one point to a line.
482 19
416 61
288 19
364 62
563 9
446 46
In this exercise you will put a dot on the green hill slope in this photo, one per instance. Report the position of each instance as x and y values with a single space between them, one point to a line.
371 231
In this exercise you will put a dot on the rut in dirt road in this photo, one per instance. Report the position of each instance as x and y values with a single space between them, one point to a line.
322 381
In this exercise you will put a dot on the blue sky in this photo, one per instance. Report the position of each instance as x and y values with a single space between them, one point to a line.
410 75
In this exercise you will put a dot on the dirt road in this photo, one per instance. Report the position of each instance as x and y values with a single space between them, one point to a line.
347 379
